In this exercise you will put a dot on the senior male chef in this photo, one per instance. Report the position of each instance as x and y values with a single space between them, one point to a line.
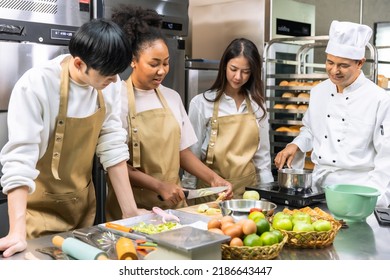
347 124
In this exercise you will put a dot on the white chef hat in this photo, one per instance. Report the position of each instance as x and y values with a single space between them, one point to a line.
348 39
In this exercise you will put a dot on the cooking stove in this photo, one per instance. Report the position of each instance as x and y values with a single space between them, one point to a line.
292 197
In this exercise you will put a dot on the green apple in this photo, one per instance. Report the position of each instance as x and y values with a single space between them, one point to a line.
302 226
301 217
322 225
254 195
279 215
282 223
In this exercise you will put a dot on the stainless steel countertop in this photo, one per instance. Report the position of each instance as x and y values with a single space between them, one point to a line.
360 241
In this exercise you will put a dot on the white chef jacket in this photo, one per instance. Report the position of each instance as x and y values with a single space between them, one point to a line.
200 113
349 133
148 100
32 113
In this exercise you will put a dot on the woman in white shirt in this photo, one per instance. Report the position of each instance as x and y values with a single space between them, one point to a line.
231 122
160 132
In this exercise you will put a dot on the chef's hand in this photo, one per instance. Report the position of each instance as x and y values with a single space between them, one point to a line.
171 193
286 156
13 243
218 182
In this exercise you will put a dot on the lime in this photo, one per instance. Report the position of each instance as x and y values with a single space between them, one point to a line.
278 234
252 240
268 238
262 225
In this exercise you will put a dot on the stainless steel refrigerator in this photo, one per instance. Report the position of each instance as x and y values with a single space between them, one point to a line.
174 26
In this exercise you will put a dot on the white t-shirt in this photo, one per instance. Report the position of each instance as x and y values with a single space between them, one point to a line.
201 111
32 113
148 100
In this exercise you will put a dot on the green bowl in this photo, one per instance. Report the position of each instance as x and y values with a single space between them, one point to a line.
351 203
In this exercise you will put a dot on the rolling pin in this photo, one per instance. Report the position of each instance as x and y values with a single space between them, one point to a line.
78 249
125 249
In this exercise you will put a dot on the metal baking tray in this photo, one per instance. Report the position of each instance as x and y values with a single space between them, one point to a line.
191 235
195 220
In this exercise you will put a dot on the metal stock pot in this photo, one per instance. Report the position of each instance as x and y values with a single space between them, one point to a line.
295 178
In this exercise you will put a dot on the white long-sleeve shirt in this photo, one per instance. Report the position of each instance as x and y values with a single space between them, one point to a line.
32 113
200 113
148 100
349 133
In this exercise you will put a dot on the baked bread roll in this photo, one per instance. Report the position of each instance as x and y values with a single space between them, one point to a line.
293 83
279 106
291 106
302 107
383 82
288 95
283 83
316 82
295 128
303 95
283 129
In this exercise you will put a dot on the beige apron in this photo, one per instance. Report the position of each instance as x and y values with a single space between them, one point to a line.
64 198
154 145
233 143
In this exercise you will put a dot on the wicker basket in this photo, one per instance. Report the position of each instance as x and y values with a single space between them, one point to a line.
253 253
312 239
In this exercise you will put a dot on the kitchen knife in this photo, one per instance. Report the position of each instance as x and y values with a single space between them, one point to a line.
196 193
191 194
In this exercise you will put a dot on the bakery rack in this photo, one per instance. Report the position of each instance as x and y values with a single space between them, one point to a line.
291 67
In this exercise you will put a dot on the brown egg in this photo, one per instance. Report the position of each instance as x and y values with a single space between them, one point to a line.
235 242
241 222
216 230
233 231
226 225
249 227
214 223
225 219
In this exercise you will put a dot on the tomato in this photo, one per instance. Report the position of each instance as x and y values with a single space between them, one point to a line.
254 209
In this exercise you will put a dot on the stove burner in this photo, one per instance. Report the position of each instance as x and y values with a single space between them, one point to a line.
295 197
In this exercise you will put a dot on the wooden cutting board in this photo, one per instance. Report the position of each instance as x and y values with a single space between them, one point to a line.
193 210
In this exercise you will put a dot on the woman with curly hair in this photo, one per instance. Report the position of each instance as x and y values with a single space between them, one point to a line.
160 132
